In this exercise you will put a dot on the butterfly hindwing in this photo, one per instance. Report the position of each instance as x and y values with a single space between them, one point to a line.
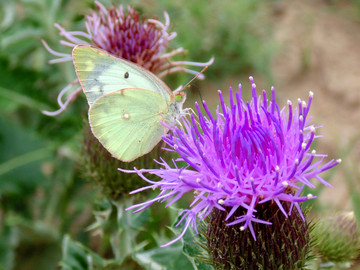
128 122
101 73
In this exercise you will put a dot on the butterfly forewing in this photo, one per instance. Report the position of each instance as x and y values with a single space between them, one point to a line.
128 122
101 73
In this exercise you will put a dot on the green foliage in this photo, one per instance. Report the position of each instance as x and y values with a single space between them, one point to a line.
32 245
134 240
25 22
20 164
77 256
236 33
163 258
194 247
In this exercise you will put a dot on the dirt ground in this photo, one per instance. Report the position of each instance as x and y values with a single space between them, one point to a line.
320 51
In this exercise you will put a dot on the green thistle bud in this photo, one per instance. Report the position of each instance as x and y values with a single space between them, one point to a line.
283 245
338 238
99 167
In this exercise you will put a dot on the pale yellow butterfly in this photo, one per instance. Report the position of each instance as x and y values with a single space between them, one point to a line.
127 103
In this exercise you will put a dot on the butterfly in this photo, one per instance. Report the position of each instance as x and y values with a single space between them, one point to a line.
127 103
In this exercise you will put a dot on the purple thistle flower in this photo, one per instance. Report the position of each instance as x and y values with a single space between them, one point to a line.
126 35
247 154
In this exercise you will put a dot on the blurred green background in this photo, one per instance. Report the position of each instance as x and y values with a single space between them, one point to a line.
295 46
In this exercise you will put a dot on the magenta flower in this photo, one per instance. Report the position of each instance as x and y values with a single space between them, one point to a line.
247 154
127 35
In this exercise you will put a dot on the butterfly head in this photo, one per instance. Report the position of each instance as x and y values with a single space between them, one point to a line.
175 109
180 97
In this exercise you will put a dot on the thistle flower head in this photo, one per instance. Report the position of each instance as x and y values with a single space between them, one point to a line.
123 33
286 244
245 155
127 35
338 238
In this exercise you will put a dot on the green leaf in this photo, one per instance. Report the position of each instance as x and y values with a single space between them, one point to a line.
74 255
78 257
164 258
195 253
36 243
8 240
23 34
8 15
129 225
22 100
21 159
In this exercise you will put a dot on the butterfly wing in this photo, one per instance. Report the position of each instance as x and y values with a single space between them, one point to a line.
128 122
101 73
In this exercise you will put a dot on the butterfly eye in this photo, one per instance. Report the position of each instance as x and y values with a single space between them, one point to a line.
126 75
178 98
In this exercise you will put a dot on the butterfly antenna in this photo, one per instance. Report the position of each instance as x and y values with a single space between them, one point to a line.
197 75
197 89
